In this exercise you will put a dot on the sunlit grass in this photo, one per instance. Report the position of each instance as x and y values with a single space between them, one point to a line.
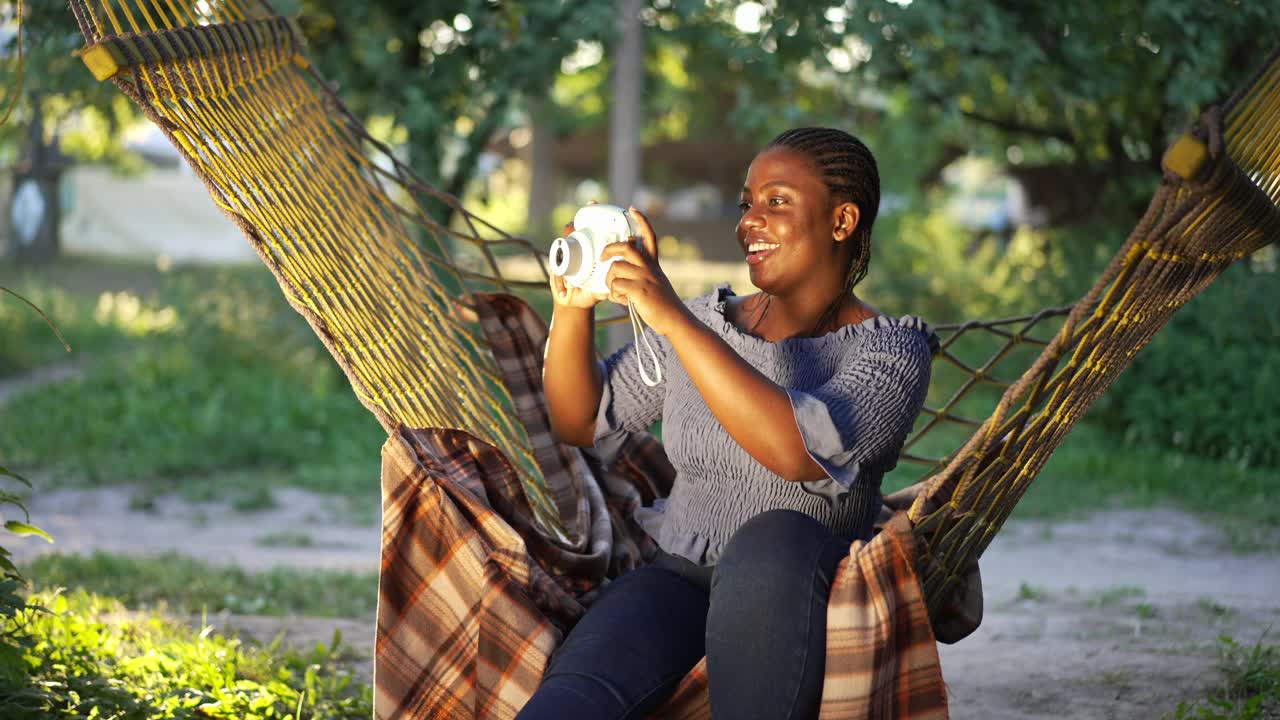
183 586
84 655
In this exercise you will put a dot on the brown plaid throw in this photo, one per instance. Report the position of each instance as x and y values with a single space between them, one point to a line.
473 597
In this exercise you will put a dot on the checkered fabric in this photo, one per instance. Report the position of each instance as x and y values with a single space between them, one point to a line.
474 596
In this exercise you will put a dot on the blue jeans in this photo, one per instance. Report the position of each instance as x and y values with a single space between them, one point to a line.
760 618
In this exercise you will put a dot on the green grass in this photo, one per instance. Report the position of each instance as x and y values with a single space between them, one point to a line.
198 372
1032 593
287 538
1093 471
1248 686
187 586
86 656
1111 597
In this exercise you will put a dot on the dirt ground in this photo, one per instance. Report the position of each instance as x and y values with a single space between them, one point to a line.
1113 616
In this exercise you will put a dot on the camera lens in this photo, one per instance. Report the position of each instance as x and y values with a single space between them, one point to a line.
566 258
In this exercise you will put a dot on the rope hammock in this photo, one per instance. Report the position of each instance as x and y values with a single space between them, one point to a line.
406 305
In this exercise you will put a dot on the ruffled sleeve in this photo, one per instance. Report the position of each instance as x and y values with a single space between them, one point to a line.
627 404
862 415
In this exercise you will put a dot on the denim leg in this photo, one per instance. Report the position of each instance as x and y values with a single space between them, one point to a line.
628 653
767 625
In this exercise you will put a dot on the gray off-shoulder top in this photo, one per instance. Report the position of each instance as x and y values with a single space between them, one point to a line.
855 394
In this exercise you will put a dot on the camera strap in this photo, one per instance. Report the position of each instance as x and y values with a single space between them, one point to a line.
642 340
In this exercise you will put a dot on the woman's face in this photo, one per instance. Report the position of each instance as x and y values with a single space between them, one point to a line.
789 226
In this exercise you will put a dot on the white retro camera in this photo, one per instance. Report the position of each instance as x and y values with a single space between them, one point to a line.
577 257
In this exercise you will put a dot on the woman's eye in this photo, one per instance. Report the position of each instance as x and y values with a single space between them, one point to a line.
776 200
744 206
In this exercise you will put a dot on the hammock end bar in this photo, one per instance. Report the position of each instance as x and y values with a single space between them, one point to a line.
103 60
1186 157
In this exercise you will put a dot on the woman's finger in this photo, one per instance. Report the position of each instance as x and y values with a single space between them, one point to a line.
648 239
625 252
619 289
623 270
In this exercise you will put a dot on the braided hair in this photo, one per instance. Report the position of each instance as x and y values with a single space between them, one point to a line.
849 171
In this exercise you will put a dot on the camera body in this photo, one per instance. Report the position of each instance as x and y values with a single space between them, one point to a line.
577 256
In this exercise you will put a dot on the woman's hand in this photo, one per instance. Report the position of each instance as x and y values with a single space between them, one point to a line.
565 295
636 280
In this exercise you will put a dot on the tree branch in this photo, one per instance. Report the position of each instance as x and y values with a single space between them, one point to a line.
1009 124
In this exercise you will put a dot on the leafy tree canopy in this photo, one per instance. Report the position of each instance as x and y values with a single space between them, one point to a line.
87 115
1094 85
450 72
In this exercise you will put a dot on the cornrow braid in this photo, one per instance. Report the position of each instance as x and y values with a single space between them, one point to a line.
849 171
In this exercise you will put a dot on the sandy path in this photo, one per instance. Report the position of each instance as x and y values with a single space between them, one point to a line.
1119 618
82 521
1114 616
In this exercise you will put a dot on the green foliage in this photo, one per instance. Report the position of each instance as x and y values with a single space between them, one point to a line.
448 72
1087 82
209 372
86 656
186 586
18 527
12 581
1207 383
925 263
87 114
1250 684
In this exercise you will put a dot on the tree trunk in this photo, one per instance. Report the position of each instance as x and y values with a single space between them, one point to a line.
34 209
625 116
542 171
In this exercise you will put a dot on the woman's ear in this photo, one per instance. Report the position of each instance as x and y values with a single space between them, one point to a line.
845 218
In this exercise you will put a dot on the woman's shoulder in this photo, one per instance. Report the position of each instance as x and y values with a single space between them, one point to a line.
906 331
712 307
718 295
717 308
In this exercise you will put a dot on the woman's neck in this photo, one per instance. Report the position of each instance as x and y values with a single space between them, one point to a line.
775 317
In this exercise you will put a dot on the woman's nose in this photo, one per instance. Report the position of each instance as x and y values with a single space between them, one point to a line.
751 219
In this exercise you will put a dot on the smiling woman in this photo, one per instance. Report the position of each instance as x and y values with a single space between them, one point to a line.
781 410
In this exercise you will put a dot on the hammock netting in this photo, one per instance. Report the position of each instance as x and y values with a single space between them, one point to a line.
343 225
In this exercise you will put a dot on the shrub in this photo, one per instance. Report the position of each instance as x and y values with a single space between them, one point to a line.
1207 383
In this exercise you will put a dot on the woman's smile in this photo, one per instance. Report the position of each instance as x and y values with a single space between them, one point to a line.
759 250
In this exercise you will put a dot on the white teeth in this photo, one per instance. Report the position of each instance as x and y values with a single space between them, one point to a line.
758 246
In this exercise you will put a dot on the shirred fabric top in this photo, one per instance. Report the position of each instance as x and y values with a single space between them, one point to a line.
855 394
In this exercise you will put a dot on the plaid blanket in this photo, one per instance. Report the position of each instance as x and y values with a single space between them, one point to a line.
474 597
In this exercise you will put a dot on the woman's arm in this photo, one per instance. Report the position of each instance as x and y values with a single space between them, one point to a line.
570 376
754 410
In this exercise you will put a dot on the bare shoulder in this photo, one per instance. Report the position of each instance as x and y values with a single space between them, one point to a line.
856 312
738 309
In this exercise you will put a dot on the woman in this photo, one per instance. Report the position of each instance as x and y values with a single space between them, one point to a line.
781 411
